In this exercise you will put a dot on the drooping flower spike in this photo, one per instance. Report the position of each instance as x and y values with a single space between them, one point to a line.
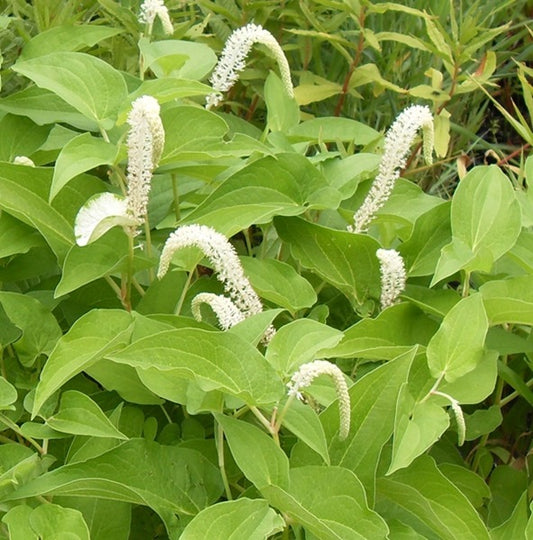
150 9
232 60
398 141
304 377
146 139
228 314
393 276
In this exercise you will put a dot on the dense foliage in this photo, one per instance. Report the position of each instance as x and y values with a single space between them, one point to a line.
344 380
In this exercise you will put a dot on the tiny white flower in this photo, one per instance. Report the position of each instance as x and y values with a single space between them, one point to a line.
232 60
228 314
304 377
398 141
150 9
393 276
100 214
146 139
23 160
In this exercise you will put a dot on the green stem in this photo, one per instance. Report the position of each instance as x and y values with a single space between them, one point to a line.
268 425
507 399
129 276
281 416
186 286
11 425
466 285
149 252
176 194
221 461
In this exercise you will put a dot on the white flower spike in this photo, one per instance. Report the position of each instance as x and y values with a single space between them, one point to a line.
232 60
146 139
150 9
304 377
398 141
393 276
23 160
228 314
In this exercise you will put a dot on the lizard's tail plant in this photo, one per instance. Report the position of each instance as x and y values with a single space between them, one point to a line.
233 61
226 264
398 141
106 210
393 277
227 313
150 9
304 377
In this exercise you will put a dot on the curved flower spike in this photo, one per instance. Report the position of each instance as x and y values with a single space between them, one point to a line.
150 9
398 141
393 276
233 57
304 377
228 314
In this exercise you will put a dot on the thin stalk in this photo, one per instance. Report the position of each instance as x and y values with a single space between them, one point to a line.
149 252
221 461
176 194
466 285
281 415
129 275
179 305
115 287
268 425
507 399
11 425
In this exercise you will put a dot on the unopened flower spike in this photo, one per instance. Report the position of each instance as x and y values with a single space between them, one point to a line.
393 276
150 9
458 413
146 139
228 314
398 141
232 60
304 377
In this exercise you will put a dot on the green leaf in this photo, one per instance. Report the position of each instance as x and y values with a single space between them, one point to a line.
165 90
345 260
45 107
394 331
215 360
168 479
422 497
333 129
507 486
9 332
22 137
16 237
299 342
48 519
416 427
329 502
246 518
66 37
253 328
257 455
509 300
278 282
79 155
285 185
283 112
18 523
486 222
23 195
468 482
89 84
80 415
8 394
457 346
40 328
516 525
373 402
90 338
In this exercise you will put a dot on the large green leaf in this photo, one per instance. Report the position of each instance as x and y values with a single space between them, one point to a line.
343 259
285 185
260 459
215 360
80 154
89 339
16 237
509 300
457 346
246 518
486 222
299 342
46 520
373 407
329 502
67 37
80 415
333 129
21 137
283 112
89 84
23 195
166 478
40 328
422 497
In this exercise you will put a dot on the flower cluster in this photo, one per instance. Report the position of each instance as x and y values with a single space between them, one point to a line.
393 276
232 60
150 9
228 314
398 141
146 139
304 377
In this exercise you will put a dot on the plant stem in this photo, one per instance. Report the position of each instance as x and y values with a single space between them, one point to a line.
221 461
148 238
186 286
268 425
11 425
176 196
